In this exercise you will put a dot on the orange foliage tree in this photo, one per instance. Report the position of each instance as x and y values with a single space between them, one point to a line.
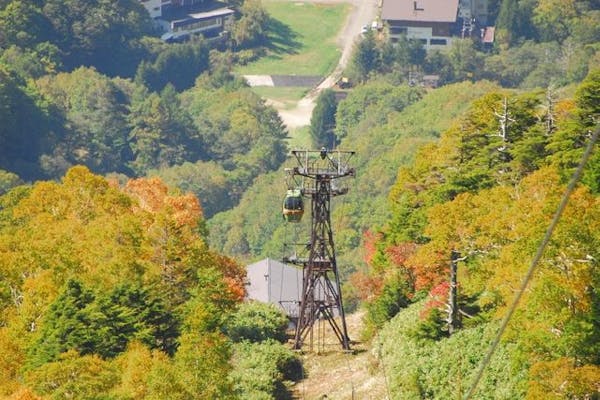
88 229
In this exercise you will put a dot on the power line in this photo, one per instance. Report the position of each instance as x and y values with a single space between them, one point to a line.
540 251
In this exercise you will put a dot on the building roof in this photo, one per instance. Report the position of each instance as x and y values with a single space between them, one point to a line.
420 10
488 35
196 11
210 14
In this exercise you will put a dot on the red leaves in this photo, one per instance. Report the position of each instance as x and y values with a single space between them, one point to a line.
370 240
368 287
399 254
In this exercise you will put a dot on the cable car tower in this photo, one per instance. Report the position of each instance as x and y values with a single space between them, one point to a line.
320 173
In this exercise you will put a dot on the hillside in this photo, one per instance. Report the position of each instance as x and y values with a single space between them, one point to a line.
138 176
496 227
385 135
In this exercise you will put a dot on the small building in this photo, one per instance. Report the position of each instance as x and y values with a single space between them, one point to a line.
434 22
431 22
178 19
271 281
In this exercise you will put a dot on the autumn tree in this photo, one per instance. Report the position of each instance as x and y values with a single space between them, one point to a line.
73 375
136 259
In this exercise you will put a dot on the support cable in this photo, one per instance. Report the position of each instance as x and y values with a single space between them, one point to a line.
540 251
385 378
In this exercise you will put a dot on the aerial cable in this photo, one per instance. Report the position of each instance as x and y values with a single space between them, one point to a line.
540 251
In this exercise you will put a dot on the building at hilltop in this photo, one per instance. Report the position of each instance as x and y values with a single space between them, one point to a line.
435 23
178 19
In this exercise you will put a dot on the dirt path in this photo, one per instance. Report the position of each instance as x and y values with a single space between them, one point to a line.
363 13
342 376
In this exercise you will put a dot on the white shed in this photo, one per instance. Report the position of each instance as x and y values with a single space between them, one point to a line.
271 281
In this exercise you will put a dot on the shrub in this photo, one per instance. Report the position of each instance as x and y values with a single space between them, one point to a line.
257 322
262 369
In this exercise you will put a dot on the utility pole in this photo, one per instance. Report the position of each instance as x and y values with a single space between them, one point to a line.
321 297
454 322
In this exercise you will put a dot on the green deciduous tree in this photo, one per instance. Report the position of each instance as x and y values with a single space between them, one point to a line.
206 179
261 370
553 19
177 64
24 128
23 23
99 33
162 134
366 58
94 109
251 29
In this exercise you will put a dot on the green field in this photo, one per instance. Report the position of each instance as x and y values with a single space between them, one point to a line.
302 39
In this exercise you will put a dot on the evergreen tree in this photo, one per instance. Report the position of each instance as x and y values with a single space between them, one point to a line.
322 122
514 21
103 324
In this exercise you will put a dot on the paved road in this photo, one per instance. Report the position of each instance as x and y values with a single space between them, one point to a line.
363 13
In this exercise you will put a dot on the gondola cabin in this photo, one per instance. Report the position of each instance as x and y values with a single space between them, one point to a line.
293 206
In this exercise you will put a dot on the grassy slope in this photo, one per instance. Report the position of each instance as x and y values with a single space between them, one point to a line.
302 39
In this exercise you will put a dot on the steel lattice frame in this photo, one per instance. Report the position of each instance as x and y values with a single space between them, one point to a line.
321 290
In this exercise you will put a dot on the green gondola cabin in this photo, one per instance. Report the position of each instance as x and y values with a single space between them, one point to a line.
293 206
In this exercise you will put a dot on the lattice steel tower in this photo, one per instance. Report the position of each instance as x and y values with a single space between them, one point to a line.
320 172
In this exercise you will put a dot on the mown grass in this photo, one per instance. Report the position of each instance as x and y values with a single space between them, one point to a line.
302 39
282 94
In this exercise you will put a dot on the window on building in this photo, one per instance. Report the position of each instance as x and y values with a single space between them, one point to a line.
438 42
396 30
